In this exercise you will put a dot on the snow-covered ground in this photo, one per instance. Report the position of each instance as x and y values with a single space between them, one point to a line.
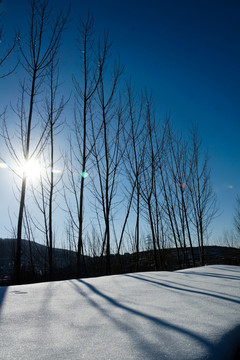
190 314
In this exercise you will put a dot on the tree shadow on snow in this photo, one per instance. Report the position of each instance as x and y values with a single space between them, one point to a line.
184 285
3 290
228 268
125 327
228 346
221 276
161 324
184 289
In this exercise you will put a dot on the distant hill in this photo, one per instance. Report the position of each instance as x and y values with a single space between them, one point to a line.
35 261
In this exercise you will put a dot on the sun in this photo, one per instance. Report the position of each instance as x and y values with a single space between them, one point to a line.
32 169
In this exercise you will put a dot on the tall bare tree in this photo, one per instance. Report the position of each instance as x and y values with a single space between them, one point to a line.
93 55
37 52
149 186
236 218
50 176
204 201
107 153
134 140
180 169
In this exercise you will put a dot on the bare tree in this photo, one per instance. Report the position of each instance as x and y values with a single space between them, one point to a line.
92 61
230 238
148 186
180 169
50 176
166 201
54 112
204 202
134 140
107 154
236 219
42 44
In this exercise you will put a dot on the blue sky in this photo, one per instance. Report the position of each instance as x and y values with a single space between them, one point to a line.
186 52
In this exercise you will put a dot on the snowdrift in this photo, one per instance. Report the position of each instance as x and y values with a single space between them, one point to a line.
189 314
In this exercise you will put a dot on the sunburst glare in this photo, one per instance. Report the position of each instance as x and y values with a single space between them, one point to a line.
32 169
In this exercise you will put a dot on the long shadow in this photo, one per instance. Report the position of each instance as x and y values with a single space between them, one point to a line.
143 344
184 289
228 346
186 285
155 320
221 276
3 290
223 267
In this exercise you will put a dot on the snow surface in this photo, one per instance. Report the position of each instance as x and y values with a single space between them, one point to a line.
189 314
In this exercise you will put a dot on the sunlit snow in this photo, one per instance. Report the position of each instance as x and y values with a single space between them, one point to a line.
190 314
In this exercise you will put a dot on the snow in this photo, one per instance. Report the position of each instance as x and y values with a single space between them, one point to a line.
188 314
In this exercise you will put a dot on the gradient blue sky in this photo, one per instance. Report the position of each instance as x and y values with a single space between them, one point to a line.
186 52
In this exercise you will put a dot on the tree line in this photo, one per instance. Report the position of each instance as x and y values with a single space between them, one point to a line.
130 181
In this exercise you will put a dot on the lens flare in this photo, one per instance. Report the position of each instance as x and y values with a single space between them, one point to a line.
184 185
56 171
84 174
3 165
